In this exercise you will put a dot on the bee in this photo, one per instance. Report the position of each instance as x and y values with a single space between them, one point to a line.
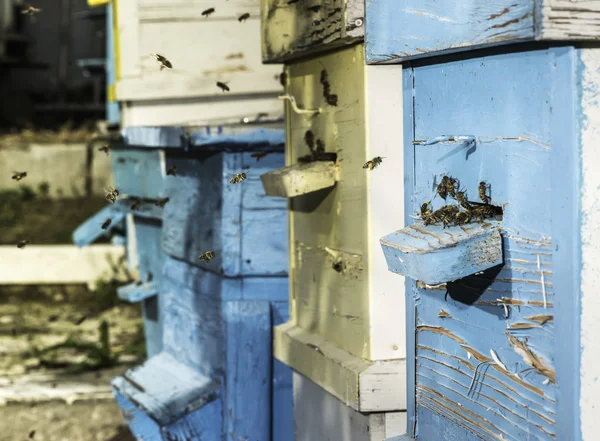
283 79
238 178
162 61
30 10
332 100
324 77
172 171
150 277
105 148
208 11
452 185
161 202
111 194
17 176
448 214
259 155
106 223
31 434
373 163
462 217
309 139
442 188
320 147
483 211
22 243
224 87
425 210
207 256
136 204
482 192
462 200
244 17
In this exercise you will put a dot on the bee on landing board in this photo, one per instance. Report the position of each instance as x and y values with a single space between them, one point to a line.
111 194
461 198
22 243
207 256
161 202
238 178
172 171
425 210
162 61
373 163
106 223
462 217
243 17
207 12
483 192
105 148
259 155
17 176
224 87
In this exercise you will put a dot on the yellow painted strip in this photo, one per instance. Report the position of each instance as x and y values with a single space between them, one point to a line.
95 3
111 93
116 40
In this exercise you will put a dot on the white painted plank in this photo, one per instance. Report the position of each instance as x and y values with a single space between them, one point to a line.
590 245
56 264
300 179
383 386
385 202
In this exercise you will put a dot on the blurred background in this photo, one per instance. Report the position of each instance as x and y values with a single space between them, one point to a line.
63 331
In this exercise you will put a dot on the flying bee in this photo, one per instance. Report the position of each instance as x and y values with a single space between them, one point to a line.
111 194
224 87
462 217
17 176
31 434
259 155
462 200
373 163
238 178
207 256
208 11
162 61
30 10
483 192
106 223
22 243
172 171
105 148
161 202
244 17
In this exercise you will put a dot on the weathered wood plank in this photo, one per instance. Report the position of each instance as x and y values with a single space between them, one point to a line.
58 264
341 374
294 29
434 254
300 179
247 385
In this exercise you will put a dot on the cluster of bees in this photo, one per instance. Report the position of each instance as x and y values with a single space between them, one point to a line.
164 63
462 213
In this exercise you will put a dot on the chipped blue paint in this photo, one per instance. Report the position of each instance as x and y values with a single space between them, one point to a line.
443 26
91 230
249 361
241 140
434 254
515 122
134 292
138 172
464 139
246 230
155 137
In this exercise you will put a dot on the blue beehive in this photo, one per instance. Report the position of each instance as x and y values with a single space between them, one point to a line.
493 316
215 374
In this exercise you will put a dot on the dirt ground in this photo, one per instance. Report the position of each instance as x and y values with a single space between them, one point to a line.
33 319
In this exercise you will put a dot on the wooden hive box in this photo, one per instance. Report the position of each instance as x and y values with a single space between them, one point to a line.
501 346
345 337
216 316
